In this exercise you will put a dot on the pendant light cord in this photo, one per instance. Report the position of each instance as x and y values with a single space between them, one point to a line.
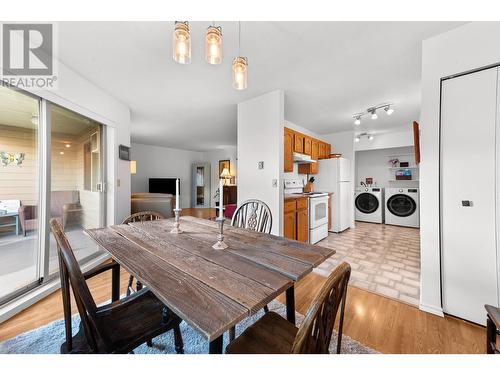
239 38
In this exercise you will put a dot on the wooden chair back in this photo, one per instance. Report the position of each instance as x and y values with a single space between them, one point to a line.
143 216
315 333
71 274
253 214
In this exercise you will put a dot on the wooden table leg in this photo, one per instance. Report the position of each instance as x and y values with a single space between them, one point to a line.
290 304
215 346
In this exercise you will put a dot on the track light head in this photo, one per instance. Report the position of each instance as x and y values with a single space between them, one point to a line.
373 111
370 137
356 139
357 119
389 110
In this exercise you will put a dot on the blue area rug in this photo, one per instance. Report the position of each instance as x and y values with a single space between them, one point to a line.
48 339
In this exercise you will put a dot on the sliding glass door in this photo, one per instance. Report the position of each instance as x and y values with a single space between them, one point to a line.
76 194
52 165
19 191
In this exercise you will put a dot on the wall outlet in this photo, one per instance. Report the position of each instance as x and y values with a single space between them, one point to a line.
275 183
260 165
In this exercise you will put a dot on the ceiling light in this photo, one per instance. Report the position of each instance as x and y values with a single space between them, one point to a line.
389 110
374 114
34 120
370 137
182 43
357 120
67 145
240 67
356 139
213 45
61 153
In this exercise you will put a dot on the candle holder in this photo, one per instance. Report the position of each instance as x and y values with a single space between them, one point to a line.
220 244
176 229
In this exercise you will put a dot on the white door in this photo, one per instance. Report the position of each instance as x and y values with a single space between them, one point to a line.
468 171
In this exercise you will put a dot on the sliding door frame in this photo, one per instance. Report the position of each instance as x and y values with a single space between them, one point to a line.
44 144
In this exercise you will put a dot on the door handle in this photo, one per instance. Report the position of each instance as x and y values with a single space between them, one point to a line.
466 203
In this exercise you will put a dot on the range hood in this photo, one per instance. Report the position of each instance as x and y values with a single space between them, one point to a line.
302 158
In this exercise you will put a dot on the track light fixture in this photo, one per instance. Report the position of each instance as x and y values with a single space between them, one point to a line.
372 111
357 138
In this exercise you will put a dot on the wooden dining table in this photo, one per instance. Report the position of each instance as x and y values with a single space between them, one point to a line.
211 290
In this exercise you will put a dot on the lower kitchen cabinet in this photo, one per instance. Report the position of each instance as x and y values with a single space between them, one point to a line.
296 219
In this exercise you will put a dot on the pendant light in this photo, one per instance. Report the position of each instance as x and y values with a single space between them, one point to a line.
182 43
240 67
213 45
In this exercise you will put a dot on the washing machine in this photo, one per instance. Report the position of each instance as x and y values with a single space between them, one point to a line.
369 204
401 207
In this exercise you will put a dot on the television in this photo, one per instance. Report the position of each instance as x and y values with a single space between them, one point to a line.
163 185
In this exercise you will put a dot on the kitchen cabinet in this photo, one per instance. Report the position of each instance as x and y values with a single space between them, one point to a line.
298 142
310 168
288 150
290 220
322 150
307 145
328 150
296 219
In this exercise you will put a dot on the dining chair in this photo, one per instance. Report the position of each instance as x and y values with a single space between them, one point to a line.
492 329
255 215
134 218
117 327
273 334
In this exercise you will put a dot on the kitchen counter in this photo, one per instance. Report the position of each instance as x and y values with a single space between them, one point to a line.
292 197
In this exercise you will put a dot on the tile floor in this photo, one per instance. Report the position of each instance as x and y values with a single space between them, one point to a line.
385 259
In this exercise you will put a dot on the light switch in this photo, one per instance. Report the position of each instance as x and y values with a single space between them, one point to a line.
118 183
260 165
275 183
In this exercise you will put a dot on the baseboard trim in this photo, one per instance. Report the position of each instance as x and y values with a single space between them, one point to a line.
432 309
26 300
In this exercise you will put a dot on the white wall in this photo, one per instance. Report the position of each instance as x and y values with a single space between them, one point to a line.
260 138
78 94
471 46
375 164
155 161
397 138
343 143
213 158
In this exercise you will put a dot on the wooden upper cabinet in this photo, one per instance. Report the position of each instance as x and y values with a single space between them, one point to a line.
307 145
328 150
315 149
288 150
298 143
322 150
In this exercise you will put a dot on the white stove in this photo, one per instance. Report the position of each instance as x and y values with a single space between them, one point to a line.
318 209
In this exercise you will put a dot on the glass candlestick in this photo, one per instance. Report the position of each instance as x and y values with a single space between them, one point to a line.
220 244
176 229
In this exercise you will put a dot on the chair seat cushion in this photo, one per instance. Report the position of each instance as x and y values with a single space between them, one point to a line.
271 334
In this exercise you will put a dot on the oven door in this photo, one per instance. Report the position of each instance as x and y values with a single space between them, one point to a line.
318 212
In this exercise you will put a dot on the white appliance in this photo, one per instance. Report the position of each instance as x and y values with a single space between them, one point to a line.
302 158
401 207
317 209
334 176
369 204
470 195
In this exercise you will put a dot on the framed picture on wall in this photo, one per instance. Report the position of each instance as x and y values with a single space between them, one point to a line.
224 164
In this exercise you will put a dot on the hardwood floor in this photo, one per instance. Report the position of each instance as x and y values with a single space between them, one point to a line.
378 322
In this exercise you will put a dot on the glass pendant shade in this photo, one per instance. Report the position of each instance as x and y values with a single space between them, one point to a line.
182 43
213 45
240 73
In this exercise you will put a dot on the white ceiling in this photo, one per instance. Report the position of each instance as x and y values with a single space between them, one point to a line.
328 71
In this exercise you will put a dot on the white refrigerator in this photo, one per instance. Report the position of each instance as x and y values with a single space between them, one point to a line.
334 176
